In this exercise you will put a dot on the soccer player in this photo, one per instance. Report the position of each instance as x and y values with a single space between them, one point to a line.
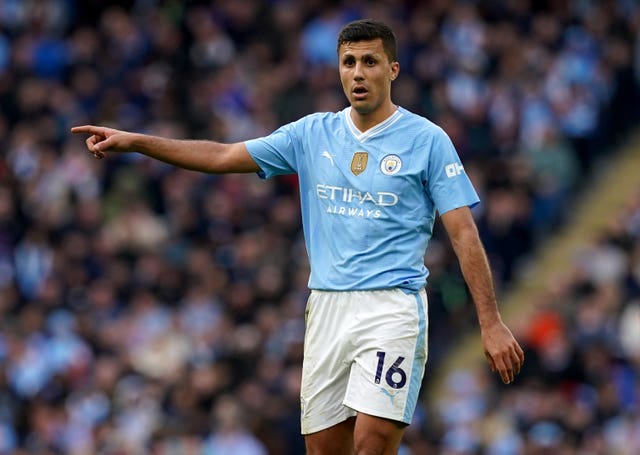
372 178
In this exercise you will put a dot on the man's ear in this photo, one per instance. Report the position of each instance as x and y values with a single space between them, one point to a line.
395 70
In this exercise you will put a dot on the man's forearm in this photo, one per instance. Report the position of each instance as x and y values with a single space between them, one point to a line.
194 155
477 274
197 155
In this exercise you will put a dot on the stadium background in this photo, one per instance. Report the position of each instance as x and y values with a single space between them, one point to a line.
145 309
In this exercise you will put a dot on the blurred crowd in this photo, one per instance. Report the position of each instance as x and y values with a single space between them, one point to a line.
579 392
146 309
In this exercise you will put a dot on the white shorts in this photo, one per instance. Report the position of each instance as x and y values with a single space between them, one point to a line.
364 351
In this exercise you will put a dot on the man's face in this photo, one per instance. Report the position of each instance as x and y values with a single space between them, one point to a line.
366 74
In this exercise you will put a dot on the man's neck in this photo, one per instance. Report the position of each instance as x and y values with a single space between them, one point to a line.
368 120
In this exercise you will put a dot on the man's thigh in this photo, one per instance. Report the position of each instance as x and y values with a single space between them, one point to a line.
335 440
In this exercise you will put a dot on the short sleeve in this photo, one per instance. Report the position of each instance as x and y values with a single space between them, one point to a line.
276 153
447 183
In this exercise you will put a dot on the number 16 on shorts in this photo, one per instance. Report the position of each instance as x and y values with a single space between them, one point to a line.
393 375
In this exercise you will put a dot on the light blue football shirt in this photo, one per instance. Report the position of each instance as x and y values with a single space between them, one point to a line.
368 199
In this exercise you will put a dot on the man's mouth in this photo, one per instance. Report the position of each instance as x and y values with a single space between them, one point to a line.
360 92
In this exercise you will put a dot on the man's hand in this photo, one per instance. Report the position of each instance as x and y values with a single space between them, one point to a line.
502 351
104 140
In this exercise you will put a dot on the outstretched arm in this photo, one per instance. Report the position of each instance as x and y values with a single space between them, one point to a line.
503 352
204 156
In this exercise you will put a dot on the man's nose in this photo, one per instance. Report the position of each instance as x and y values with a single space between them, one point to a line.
358 73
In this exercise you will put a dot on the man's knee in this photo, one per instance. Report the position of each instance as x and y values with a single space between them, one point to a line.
377 436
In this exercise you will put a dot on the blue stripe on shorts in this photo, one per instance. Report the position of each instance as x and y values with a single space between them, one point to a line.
418 362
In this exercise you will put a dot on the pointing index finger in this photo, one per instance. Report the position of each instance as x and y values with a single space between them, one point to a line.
86 129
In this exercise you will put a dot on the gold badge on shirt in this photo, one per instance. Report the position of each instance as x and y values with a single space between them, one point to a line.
359 162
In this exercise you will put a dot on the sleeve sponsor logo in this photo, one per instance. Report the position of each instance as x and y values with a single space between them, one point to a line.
453 169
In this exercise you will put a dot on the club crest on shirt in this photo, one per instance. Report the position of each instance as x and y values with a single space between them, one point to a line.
390 164
359 162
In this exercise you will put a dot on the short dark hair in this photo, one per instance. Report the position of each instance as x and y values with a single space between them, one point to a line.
369 30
